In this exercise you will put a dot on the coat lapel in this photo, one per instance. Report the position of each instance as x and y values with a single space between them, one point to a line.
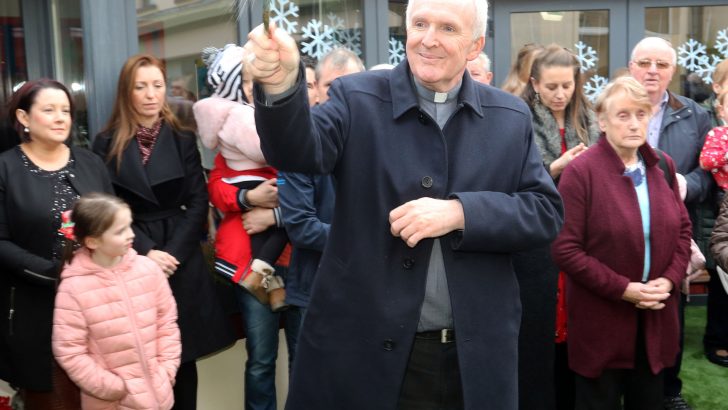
131 175
165 163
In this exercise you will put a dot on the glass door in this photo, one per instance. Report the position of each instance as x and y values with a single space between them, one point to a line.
589 29
699 32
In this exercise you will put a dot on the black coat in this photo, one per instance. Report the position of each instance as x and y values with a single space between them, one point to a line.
28 274
168 199
384 151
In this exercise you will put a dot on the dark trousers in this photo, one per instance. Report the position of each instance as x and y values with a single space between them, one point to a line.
716 328
673 384
638 387
563 378
185 387
432 379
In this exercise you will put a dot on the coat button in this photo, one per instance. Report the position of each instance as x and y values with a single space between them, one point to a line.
422 118
388 345
408 263
426 182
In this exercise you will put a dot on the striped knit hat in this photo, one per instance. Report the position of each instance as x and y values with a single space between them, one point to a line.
224 71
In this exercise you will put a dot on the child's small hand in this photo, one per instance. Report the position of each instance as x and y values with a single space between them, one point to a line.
167 262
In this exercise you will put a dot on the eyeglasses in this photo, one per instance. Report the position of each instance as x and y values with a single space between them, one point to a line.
646 63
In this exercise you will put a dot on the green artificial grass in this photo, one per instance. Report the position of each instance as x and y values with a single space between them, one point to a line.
704 383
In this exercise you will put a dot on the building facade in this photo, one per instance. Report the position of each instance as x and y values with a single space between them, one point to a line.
84 42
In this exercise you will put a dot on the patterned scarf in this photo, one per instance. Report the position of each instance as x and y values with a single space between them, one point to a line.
146 138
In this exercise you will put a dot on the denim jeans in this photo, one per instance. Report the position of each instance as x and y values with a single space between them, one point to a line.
261 329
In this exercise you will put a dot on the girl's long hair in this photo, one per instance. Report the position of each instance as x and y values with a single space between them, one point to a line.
577 110
124 121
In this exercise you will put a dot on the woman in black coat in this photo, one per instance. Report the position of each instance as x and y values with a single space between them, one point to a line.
155 167
39 178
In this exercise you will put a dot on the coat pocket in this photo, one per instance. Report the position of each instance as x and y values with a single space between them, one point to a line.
163 388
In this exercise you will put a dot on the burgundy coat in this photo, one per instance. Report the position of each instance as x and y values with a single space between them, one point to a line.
601 250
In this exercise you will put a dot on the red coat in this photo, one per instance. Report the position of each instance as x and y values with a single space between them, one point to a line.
601 250
232 243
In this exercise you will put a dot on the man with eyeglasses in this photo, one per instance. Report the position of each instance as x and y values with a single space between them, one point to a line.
678 127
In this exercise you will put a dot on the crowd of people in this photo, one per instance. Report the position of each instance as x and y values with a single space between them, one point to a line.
427 239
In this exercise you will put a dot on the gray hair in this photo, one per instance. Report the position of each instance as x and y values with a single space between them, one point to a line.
485 61
652 41
479 23
338 58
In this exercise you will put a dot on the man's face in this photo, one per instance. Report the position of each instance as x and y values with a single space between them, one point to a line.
440 42
477 71
329 74
311 87
652 66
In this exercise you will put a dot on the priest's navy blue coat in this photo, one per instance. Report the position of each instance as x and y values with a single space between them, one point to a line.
384 151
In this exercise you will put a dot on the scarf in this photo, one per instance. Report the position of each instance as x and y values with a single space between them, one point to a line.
548 138
146 138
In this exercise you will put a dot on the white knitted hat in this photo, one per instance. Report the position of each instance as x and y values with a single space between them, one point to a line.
224 71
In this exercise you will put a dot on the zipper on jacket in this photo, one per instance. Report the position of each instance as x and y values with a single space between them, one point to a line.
139 344
11 311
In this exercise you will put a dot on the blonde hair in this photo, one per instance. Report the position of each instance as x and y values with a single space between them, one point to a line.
521 70
623 85
721 72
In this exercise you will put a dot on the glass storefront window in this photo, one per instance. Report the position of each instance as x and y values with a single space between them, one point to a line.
397 31
586 33
13 70
69 66
321 25
177 31
700 36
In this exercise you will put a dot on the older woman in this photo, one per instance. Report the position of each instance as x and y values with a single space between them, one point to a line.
155 167
39 179
624 248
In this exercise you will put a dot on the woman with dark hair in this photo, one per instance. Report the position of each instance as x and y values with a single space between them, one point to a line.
39 179
155 168
563 127
624 247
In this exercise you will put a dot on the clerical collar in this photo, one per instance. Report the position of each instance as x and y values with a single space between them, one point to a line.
439 98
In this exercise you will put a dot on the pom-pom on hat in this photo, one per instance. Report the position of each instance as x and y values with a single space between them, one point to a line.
224 71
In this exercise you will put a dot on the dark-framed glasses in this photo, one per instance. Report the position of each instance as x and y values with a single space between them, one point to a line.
647 63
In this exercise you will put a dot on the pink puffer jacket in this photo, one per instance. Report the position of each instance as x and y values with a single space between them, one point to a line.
115 333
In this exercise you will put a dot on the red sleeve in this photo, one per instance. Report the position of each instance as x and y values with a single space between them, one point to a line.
222 195
714 151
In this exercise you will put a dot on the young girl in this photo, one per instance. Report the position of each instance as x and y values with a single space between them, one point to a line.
714 156
115 322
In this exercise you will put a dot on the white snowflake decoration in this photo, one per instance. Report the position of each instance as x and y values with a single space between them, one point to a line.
348 38
282 13
320 39
721 42
594 87
335 22
691 55
396 51
586 55
707 67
